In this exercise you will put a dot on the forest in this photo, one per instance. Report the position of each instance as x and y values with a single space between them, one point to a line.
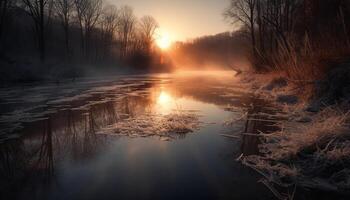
70 38
226 50
299 37
300 57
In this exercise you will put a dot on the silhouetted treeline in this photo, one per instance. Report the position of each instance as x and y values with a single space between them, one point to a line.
296 36
224 50
75 32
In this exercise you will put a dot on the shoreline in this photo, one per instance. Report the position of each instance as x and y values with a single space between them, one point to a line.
312 148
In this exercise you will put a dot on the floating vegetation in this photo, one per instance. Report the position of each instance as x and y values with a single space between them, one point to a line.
150 124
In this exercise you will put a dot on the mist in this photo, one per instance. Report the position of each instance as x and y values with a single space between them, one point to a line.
224 51
68 38
99 100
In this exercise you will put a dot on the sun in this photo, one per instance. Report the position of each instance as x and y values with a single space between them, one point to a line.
163 41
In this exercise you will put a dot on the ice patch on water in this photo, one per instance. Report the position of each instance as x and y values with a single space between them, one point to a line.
150 124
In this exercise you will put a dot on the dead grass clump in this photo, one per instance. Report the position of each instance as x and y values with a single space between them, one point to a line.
313 155
308 61
152 124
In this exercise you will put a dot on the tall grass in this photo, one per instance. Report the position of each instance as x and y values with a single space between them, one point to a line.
312 155
311 59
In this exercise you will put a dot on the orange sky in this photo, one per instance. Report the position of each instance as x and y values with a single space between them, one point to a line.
182 19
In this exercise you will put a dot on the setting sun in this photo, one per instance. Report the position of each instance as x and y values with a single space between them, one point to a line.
163 40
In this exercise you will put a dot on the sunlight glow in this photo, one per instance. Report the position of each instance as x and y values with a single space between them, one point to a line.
163 40
164 98
165 103
218 73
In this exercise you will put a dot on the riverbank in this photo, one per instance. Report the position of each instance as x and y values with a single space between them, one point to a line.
24 73
312 148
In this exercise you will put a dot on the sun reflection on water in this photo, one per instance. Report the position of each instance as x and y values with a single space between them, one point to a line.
164 98
164 102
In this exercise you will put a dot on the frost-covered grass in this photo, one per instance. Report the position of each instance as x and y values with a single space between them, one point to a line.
275 85
311 150
313 155
152 124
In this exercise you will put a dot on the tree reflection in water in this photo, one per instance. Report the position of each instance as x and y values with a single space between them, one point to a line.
261 118
32 163
29 162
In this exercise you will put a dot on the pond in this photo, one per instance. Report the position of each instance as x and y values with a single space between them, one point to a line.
156 136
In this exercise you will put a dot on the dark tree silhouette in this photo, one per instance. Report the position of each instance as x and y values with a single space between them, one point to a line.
70 34
4 6
64 11
109 25
283 33
126 28
244 11
88 12
37 10
148 26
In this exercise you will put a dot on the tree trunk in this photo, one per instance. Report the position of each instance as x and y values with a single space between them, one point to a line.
82 40
3 7
66 33
42 33
252 32
261 27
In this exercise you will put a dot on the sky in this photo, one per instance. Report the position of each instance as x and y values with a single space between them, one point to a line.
182 19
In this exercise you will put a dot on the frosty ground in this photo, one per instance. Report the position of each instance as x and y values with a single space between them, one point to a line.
312 148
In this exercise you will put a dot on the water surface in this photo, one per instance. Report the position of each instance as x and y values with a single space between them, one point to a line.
52 146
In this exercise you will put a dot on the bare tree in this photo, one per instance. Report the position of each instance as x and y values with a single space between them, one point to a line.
148 26
260 8
90 17
80 7
88 13
244 11
270 20
109 24
37 10
4 7
126 28
64 11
